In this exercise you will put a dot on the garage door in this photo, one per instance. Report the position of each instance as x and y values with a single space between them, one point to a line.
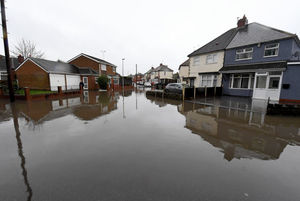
73 82
57 80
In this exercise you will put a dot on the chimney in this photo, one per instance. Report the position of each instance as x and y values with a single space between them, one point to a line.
242 22
20 59
161 64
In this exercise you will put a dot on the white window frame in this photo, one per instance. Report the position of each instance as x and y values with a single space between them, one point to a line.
271 48
212 58
208 77
3 73
250 77
196 60
244 51
103 67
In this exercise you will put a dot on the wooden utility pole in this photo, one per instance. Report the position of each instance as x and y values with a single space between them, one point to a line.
7 57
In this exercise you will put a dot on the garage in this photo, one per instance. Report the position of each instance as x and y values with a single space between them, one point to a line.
72 82
57 80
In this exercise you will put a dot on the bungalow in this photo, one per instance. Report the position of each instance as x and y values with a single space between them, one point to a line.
48 75
184 72
263 63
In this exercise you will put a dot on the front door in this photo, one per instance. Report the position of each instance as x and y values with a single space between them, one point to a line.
267 85
85 82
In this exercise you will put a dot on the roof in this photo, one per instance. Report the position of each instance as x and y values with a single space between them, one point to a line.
101 61
162 67
14 63
254 33
150 71
60 67
87 71
254 67
219 43
186 63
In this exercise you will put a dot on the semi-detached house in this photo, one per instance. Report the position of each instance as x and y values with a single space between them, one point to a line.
263 63
206 62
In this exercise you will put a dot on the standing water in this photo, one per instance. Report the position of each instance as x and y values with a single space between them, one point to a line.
106 146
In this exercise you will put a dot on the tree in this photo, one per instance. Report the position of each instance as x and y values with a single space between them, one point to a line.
27 48
102 81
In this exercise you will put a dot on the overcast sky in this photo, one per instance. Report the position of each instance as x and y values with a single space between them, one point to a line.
145 33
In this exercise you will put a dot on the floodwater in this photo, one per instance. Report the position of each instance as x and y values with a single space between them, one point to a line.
106 146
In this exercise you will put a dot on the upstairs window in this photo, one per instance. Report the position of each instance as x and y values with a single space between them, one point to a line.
211 58
103 67
243 54
271 50
114 69
196 60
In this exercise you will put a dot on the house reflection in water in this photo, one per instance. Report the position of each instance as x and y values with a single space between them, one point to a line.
242 134
87 107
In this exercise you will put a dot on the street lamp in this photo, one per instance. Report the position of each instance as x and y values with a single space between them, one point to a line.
123 72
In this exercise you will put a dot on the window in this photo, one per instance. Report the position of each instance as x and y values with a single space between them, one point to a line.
114 69
206 80
274 82
103 67
243 54
3 75
196 60
215 80
116 81
242 81
271 50
211 58
261 82
165 72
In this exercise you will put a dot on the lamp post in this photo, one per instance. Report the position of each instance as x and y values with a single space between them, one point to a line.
123 72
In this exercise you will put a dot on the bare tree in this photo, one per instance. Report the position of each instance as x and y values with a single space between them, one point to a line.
27 48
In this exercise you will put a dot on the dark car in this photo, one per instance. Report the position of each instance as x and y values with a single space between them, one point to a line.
174 88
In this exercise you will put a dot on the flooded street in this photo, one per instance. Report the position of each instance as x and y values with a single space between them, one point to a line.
105 147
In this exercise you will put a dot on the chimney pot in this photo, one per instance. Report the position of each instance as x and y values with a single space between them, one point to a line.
20 59
242 22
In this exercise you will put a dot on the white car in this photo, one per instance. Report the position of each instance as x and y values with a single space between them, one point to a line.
147 84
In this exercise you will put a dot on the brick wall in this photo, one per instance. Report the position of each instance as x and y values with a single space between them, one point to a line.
32 76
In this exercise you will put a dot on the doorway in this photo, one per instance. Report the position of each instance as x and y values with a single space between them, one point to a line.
267 85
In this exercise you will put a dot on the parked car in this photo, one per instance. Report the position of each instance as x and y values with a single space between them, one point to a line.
147 84
174 88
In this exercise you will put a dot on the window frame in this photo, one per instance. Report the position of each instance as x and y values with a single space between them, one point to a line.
243 51
250 77
3 73
196 60
277 52
102 67
209 78
214 58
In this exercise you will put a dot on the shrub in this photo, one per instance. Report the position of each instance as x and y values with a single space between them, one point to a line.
102 81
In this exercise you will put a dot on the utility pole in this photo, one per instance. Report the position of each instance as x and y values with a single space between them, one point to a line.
123 72
136 76
7 57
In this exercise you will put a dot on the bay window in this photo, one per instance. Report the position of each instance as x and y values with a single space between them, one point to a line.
206 80
243 54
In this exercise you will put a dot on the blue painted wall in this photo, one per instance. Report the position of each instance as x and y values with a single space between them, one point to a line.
234 92
295 49
285 53
291 76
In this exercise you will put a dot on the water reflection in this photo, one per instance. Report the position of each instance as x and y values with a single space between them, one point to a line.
239 133
20 152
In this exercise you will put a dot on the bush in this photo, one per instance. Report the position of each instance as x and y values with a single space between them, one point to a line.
102 81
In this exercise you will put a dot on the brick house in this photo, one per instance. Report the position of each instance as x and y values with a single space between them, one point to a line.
48 75
101 66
